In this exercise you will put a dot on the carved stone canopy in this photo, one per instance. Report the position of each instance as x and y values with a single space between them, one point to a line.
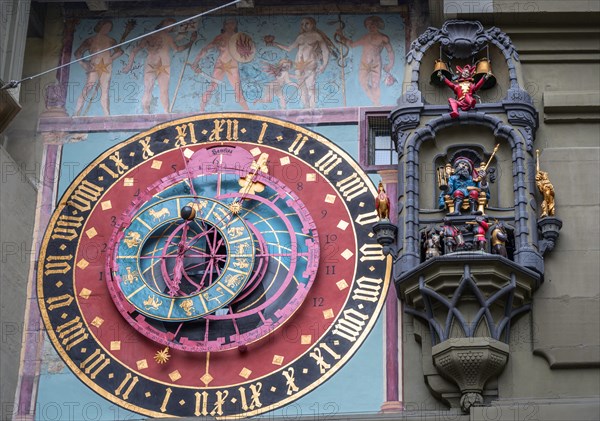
462 39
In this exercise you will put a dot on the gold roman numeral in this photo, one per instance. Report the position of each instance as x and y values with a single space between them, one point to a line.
229 126
317 355
95 363
146 151
71 333
254 397
328 162
65 227
367 218
352 186
298 144
185 133
57 265
290 381
263 130
221 396
120 167
163 407
84 195
368 289
371 252
58 302
129 388
350 325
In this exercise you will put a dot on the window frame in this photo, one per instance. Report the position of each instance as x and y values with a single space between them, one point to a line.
365 113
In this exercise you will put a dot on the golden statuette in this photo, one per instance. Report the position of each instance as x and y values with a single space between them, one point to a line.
545 187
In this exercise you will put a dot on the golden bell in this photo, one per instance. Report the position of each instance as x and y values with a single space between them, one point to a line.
484 66
440 66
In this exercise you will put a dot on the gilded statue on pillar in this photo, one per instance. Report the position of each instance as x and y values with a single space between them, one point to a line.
546 188
382 203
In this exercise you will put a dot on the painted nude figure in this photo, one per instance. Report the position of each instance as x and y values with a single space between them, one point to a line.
372 45
158 63
311 59
277 87
99 67
225 65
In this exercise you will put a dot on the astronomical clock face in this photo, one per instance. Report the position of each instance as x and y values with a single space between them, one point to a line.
220 265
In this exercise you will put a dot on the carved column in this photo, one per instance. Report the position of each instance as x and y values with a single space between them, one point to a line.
393 359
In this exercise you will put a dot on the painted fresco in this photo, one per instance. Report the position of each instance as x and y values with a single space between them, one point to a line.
243 63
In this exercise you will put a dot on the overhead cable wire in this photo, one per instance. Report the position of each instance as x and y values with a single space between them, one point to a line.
14 83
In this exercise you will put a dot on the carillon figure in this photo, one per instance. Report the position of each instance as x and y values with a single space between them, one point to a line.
498 238
452 237
479 228
431 244
463 88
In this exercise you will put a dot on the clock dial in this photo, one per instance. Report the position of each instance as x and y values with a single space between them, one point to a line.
220 265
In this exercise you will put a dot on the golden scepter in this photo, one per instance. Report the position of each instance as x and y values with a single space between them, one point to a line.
492 156
537 160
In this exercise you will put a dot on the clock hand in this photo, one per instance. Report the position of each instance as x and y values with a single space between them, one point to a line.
177 272
189 174
188 214
174 281
249 184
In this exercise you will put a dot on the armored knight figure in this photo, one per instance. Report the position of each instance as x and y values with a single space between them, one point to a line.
464 184
499 237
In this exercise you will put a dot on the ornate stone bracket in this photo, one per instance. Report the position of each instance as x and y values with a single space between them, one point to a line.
386 233
549 228
470 362
469 300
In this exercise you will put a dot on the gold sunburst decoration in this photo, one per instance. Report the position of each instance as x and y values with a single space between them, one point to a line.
235 207
162 356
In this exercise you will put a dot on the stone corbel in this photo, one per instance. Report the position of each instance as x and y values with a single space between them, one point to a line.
470 362
468 300
549 228
404 119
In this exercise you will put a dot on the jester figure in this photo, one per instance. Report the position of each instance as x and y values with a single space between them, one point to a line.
463 88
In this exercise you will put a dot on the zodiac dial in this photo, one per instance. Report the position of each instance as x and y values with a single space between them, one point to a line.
220 265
